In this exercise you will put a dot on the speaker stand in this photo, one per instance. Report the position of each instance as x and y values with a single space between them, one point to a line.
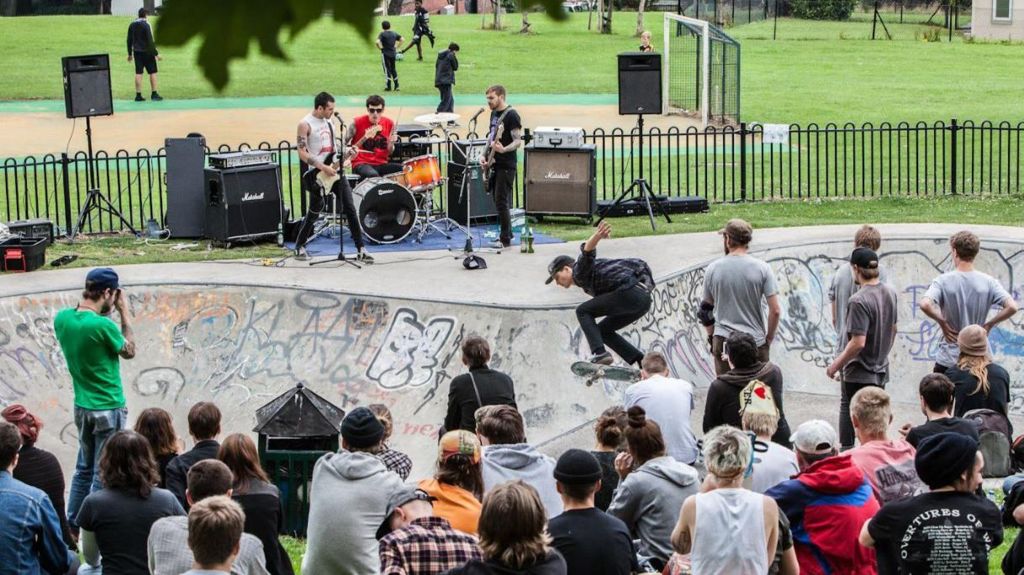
94 199
639 188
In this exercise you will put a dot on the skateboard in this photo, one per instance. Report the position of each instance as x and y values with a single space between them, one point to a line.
595 371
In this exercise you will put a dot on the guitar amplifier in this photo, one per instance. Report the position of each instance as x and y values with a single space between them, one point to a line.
560 181
242 203
32 229
481 204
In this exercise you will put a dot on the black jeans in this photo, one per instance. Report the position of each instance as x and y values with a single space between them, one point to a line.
500 188
847 437
317 204
619 309
447 99
367 171
390 73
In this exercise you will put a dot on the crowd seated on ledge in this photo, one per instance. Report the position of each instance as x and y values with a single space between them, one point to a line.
752 497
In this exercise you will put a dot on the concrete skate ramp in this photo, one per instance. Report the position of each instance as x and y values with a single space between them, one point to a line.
239 341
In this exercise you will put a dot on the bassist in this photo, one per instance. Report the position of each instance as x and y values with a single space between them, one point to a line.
503 139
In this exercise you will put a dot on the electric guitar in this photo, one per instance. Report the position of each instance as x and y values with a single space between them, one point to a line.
490 152
323 180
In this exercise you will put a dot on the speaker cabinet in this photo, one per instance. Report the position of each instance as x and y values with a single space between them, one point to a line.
87 86
480 202
242 203
186 210
639 83
561 181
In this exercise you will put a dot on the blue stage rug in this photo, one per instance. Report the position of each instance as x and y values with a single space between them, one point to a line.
483 235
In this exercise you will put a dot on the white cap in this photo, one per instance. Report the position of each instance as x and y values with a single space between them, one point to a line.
815 437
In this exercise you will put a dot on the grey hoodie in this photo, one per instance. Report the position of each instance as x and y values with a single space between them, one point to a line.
522 461
649 501
347 502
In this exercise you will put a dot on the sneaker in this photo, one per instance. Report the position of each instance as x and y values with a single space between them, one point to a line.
156 97
388 87
301 255
364 257
139 98
396 86
603 358
496 245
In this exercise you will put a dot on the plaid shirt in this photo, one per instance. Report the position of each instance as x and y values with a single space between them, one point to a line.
601 276
396 461
427 546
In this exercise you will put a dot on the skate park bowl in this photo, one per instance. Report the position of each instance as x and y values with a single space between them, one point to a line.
240 335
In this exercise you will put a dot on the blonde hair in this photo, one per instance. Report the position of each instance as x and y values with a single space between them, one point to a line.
870 406
512 526
727 451
383 415
976 365
760 423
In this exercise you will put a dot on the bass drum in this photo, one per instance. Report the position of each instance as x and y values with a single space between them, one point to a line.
387 210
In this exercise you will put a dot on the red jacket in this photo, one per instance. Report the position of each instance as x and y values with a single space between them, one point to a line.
827 504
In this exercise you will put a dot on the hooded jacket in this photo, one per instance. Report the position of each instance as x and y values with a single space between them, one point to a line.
649 499
503 463
827 505
553 564
347 501
723 401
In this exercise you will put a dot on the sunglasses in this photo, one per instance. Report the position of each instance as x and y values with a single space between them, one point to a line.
375 110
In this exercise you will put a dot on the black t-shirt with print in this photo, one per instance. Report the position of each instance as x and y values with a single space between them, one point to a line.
936 533
511 122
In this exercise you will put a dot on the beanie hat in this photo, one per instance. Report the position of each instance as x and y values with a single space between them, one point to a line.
577 467
973 340
361 428
27 423
943 457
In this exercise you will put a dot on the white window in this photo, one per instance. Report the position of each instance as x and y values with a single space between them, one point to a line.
1002 10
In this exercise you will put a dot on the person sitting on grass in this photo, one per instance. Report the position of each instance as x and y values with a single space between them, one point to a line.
204 427
458 485
393 459
936 393
415 541
214 535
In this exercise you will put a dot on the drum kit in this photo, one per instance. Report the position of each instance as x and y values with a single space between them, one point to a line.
392 207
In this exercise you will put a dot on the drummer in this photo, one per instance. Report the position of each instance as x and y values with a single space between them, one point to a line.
372 140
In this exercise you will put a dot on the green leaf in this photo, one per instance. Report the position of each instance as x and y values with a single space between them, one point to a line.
227 28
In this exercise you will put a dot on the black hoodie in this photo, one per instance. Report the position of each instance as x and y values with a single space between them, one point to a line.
553 564
723 403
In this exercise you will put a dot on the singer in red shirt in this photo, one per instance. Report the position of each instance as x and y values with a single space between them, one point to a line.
373 140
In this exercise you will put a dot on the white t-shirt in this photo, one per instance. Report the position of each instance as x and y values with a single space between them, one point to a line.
668 402
772 467
965 299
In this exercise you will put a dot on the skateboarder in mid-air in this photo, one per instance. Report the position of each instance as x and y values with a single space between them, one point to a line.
620 291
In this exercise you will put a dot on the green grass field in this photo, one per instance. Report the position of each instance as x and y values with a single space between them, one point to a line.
814 72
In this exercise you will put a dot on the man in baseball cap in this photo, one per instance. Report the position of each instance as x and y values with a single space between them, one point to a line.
620 291
414 540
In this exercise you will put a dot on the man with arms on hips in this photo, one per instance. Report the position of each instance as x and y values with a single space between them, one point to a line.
142 49
736 287
963 297
372 140
93 345
871 327
316 142
388 42
503 167
620 291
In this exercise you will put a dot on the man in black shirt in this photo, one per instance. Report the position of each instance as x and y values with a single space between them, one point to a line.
204 427
502 170
142 49
591 541
444 76
481 386
936 391
420 28
620 292
388 43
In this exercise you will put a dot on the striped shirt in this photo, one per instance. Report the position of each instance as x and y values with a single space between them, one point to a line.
427 546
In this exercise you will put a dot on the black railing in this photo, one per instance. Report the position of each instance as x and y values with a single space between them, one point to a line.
721 165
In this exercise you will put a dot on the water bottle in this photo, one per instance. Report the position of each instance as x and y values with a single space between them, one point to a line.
529 240
280 235
522 240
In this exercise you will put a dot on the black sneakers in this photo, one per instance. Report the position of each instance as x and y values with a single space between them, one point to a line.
156 97
603 358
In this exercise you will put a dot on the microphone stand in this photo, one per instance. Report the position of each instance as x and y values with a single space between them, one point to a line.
334 207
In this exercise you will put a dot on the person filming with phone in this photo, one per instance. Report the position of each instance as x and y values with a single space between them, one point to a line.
93 345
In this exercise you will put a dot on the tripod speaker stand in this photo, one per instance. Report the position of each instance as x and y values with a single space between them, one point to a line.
94 199
639 188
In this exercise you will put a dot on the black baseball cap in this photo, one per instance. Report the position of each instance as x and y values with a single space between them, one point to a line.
556 266
403 495
865 258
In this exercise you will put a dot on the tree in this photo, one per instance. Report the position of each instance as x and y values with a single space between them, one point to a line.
640 17
261 22
525 10
606 15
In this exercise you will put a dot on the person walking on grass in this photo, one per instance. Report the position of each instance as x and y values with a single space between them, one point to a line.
142 49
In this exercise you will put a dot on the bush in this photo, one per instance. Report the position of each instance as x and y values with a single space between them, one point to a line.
823 9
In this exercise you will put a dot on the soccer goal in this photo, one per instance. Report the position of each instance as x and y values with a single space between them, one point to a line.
701 71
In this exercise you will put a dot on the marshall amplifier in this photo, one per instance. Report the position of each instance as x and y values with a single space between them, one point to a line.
242 203
560 181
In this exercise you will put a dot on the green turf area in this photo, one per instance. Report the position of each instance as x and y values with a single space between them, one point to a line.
815 71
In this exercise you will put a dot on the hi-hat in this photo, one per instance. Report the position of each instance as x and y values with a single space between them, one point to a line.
427 140
437 119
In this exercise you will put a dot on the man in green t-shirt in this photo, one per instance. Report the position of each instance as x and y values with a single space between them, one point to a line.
93 345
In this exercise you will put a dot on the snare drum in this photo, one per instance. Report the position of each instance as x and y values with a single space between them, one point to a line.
387 211
422 173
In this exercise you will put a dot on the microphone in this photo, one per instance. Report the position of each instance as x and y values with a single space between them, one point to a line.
477 114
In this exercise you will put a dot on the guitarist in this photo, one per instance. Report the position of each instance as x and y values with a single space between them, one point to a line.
499 164
373 140
317 150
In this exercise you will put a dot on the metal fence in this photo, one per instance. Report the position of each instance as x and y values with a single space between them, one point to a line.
721 165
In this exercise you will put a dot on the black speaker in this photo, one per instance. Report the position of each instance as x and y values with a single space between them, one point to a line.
639 83
87 86
480 202
560 181
186 210
242 203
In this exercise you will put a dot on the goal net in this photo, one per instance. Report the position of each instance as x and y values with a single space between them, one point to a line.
701 68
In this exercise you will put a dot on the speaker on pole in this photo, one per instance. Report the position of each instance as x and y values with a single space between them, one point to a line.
87 86
639 83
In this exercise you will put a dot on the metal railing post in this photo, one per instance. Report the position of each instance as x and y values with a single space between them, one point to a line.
952 155
743 161
67 191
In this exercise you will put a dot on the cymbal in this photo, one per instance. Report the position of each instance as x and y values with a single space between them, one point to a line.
427 140
439 118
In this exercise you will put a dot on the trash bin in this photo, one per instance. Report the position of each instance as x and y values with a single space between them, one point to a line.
295 430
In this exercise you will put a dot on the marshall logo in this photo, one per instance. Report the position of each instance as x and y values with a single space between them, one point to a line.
249 196
558 176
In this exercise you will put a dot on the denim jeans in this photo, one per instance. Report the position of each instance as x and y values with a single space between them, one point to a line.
94 429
